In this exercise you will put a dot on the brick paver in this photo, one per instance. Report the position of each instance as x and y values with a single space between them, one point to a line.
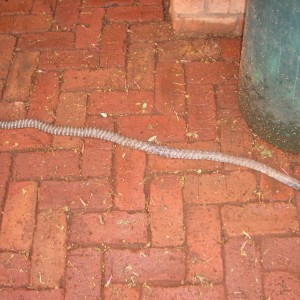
85 219
44 96
48 251
18 220
84 267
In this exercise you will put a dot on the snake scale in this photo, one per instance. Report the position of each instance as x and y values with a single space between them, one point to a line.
97 133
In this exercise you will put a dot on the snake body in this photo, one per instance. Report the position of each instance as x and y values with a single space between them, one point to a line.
98 133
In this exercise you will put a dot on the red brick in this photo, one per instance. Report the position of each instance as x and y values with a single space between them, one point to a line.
66 14
31 23
7 44
110 228
217 6
202 125
243 270
278 159
12 294
212 73
297 171
44 97
19 77
227 97
49 251
71 111
135 13
6 23
86 38
99 122
46 40
89 27
113 55
166 212
130 168
236 137
117 103
91 18
186 51
18 139
273 190
46 165
237 6
121 291
239 31
2 192
140 66
96 162
297 193
148 265
83 274
97 154
203 228
19 216
149 2
114 33
106 3
151 32
15 6
191 7
231 48
2 83
112 3
5 163
279 254
281 285
259 218
219 188
271 155
113 47
187 292
68 59
165 128
160 164
43 7
12 110
14 269
91 194
170 88
208 25
87 80
298 201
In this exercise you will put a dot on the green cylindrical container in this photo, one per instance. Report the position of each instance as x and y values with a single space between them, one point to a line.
269 86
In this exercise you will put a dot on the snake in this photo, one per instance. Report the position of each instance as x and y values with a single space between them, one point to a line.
151 148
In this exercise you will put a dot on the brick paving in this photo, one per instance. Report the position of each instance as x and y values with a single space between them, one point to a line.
85 219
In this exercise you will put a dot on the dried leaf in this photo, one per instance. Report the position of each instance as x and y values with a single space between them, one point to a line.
152 138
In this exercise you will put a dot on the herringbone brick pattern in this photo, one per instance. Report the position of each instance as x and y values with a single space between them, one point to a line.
85 219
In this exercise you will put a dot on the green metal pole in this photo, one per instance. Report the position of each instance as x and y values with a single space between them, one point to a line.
269 85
